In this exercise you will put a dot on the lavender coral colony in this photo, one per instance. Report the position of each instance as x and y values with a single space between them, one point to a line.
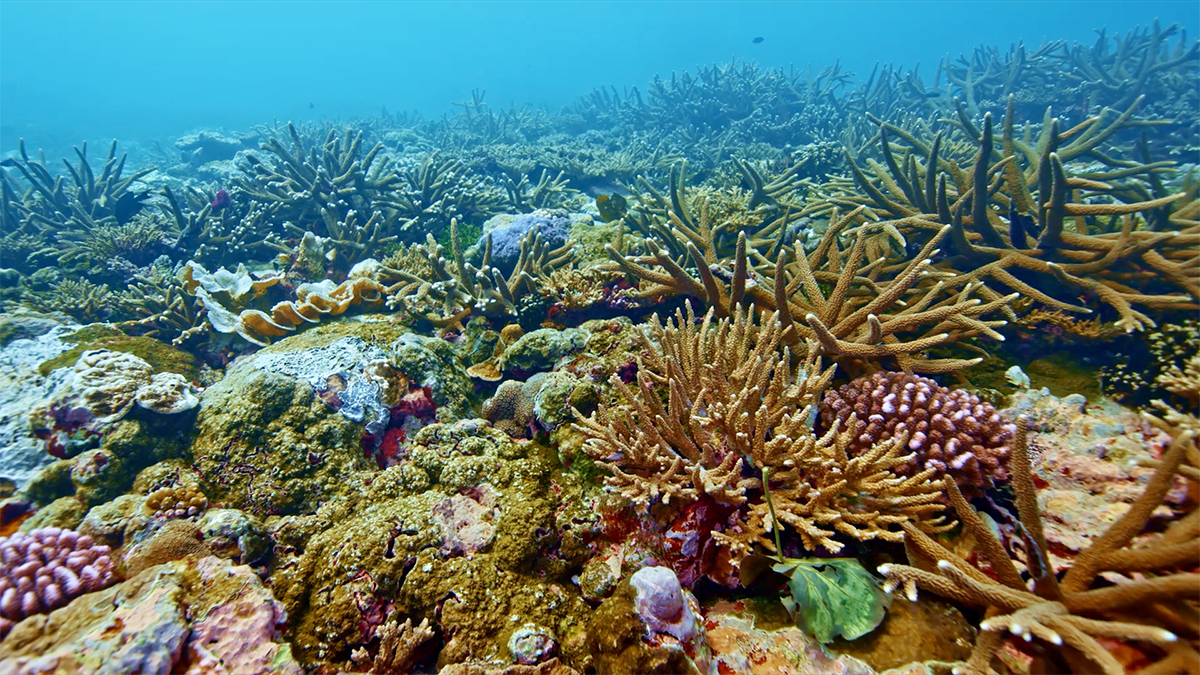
578 393
950 431
46 569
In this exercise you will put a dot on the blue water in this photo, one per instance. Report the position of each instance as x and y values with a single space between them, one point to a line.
140 70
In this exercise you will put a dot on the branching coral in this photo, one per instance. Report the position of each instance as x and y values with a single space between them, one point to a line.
452 293
161 307
80 299
1074 613
1120 264
733 408
874 305
76 207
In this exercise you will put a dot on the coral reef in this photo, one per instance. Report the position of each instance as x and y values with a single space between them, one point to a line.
394 394
45 569
950 431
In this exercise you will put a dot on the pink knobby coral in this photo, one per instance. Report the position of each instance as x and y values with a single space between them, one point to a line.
45 569
949 430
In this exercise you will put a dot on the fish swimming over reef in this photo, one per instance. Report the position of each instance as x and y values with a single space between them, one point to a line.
757 41
129 205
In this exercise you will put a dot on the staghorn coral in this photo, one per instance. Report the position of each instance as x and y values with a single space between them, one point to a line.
950 431
80 299
310 187
45 569
1073 613
1077 77
1186 382
733 409
401 647
1056 244
137 242
160 306
453 293
69 209
874 305
1134 375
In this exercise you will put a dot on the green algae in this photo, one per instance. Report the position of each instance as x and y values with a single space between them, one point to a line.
158 354
1063 376
266 444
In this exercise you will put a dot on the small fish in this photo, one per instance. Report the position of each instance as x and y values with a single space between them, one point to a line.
757 41
129 205
311 105
611 207
1016 227
222 200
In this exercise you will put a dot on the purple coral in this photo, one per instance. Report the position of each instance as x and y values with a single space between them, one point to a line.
950 431
47 568
554 226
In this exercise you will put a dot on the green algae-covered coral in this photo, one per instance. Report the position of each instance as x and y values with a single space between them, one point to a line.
467 538
266 444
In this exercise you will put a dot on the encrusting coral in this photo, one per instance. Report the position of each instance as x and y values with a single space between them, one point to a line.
1153 601
734 408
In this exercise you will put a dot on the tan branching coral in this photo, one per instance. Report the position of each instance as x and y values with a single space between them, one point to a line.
401 646
734 406
1156 590
878 305
1052 243
1186 382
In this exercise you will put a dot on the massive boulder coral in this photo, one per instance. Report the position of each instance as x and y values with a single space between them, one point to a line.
454 534
105 386
266 443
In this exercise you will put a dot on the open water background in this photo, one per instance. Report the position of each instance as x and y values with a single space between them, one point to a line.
138 71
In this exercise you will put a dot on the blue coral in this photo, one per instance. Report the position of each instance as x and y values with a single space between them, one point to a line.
554 226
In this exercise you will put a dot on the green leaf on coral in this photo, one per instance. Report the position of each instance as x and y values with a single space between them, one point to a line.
832 597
